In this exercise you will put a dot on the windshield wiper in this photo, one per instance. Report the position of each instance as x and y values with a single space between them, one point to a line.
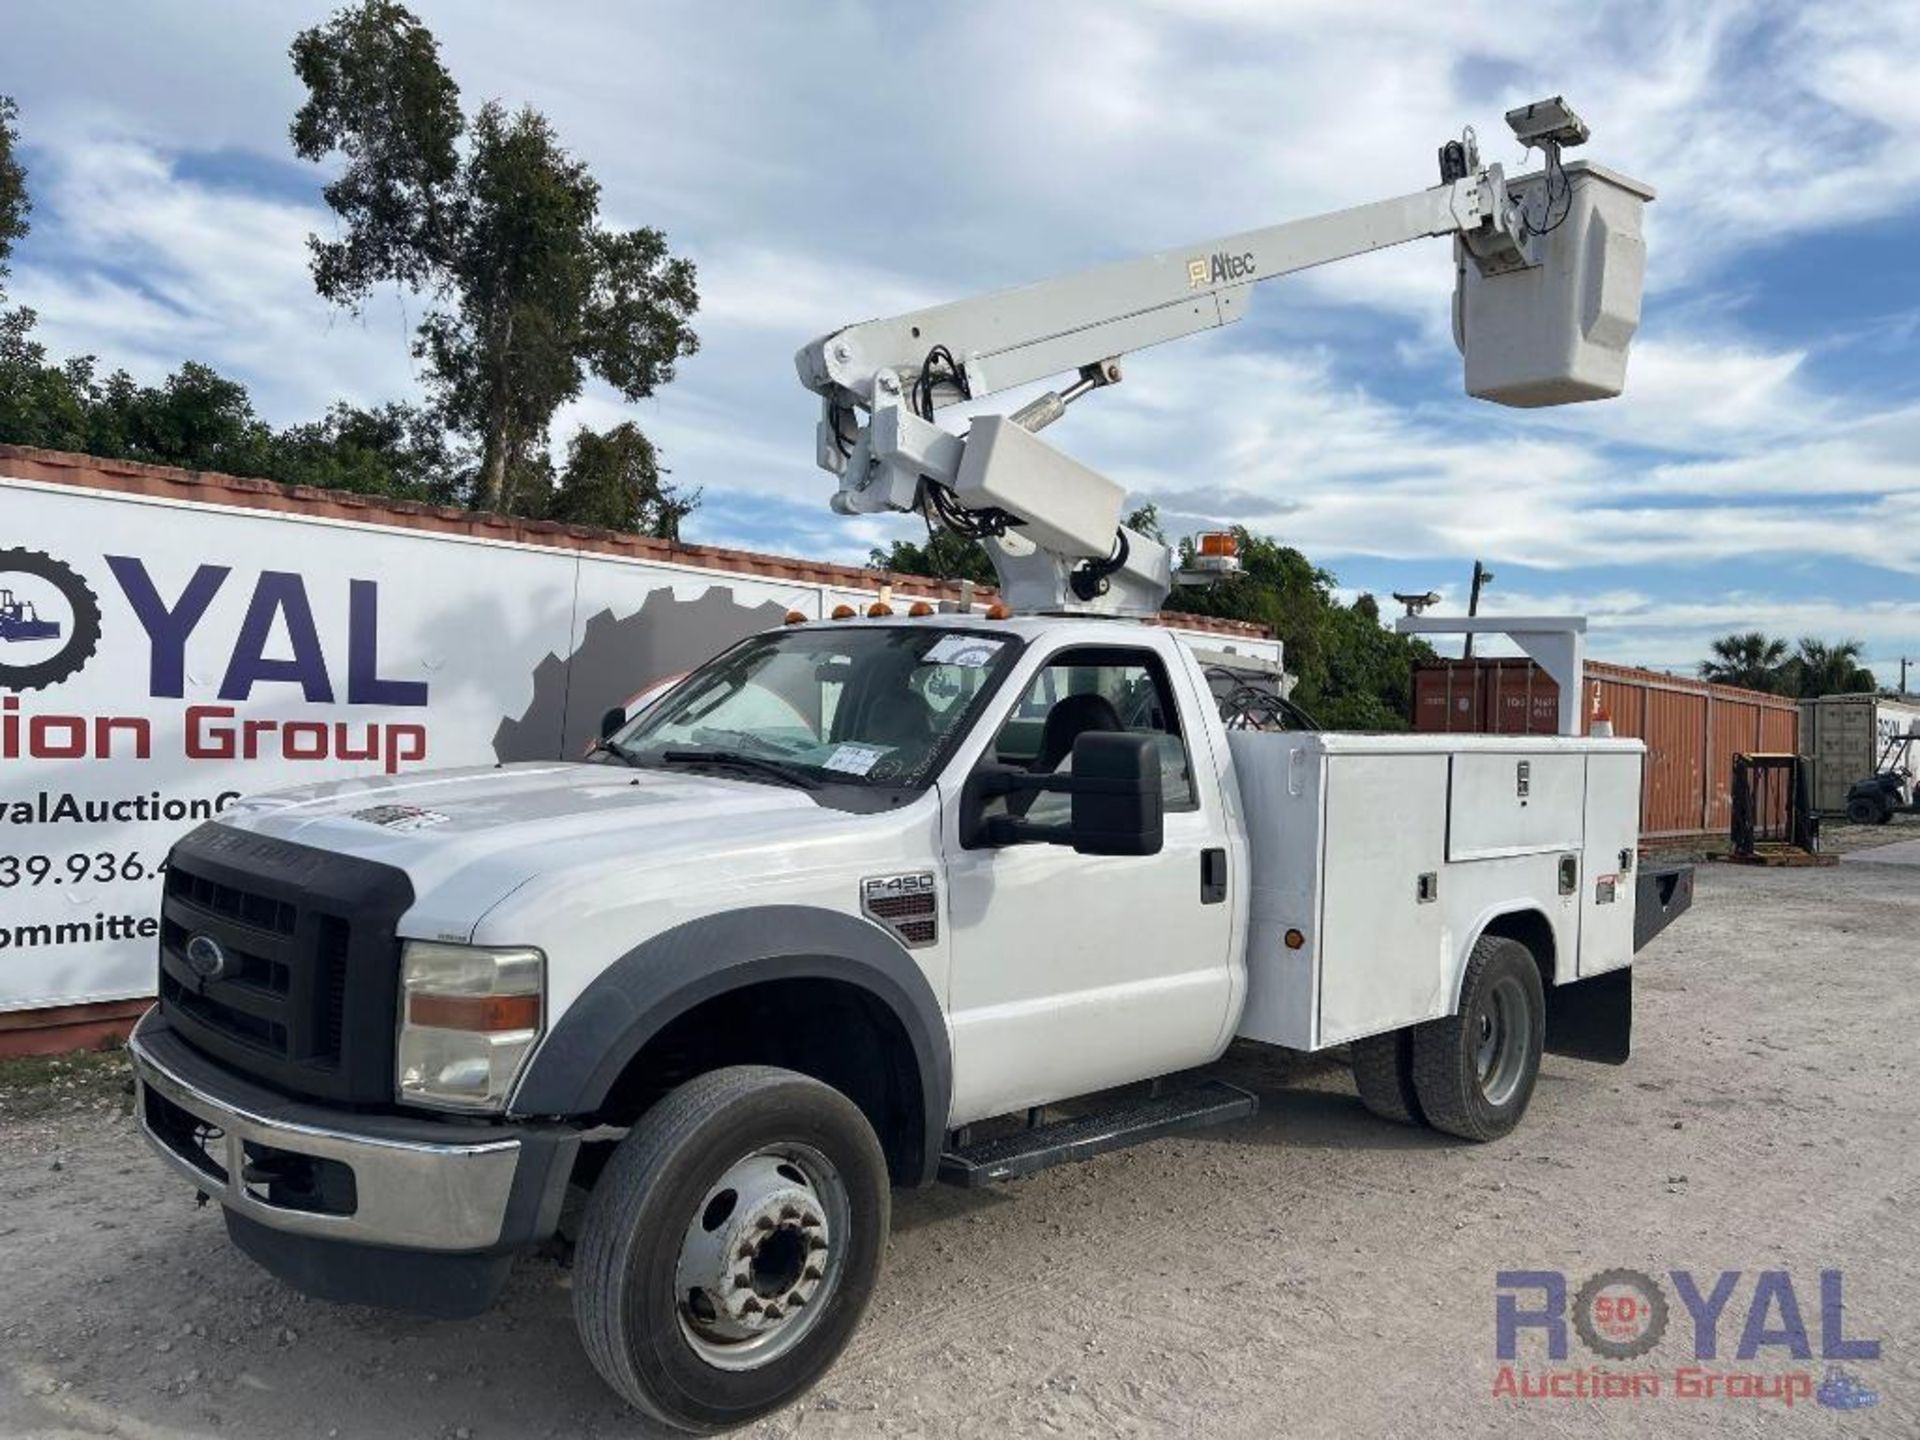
731 760
614 748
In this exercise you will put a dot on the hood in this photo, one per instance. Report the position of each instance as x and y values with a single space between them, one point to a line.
468 837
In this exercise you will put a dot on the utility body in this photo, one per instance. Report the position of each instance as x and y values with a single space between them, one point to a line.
876 900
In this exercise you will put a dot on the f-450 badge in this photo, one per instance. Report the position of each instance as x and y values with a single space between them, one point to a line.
907 905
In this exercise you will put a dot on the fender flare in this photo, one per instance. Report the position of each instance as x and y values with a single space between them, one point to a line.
1500 910
662 978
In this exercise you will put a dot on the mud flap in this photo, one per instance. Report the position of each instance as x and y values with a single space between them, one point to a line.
1592 1019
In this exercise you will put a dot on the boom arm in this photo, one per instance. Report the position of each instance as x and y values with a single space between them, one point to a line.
1558 325
1014 337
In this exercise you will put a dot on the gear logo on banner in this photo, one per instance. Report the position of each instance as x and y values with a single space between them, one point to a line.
49 620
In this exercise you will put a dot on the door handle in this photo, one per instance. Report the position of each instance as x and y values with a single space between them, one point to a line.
1213 876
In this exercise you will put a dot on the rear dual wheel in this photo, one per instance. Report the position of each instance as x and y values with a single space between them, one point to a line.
731 1246
1471 1073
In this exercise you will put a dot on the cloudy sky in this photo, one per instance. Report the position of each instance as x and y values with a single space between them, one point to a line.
829 162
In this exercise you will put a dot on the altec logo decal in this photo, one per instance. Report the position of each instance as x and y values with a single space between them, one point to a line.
280 606
1624 1315
1205 271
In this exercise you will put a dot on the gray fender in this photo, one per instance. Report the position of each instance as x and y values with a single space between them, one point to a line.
662 978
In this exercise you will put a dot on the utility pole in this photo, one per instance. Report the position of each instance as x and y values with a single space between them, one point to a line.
1481 578
1904 662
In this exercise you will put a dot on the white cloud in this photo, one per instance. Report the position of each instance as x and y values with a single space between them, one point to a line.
826 164
152 269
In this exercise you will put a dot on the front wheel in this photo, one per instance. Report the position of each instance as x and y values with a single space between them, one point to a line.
731 1246
1862 811
1474 1071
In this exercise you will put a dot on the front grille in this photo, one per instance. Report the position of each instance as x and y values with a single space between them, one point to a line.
258 911
281 961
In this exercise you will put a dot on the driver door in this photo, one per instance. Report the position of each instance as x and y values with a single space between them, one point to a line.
1073 973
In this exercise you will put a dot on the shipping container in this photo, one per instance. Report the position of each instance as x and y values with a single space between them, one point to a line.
1692 729
1845 737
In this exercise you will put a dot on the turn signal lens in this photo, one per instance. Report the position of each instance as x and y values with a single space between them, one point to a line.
485 1013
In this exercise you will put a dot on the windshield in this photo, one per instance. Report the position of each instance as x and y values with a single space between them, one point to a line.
859 705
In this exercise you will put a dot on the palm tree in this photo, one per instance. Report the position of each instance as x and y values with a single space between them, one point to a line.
1823 669
1752 660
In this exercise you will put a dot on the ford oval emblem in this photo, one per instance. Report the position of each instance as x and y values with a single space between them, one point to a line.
205 957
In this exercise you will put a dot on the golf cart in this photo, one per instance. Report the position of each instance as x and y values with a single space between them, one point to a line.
1889 791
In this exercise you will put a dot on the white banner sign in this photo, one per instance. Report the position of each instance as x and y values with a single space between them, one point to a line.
159 659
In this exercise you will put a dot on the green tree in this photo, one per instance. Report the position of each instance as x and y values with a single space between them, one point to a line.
1750 659
1146 521
14 204
393 449
614 480
942 555
533 292
1822 668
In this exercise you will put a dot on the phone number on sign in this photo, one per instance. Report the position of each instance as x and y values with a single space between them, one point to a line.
98 865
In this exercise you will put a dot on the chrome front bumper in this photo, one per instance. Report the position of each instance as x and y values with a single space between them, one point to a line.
407 1191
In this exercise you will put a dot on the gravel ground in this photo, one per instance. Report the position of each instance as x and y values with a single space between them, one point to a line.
1310 1272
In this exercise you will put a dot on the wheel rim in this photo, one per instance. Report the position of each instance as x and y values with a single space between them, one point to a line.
1504 1040
761 1256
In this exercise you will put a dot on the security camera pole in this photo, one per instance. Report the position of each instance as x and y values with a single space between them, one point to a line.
1482 577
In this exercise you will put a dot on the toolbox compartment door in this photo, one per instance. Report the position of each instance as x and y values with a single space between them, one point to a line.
1506 803
1383 947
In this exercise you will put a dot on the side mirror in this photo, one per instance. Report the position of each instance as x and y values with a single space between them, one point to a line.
611 722
1115 788
1115 795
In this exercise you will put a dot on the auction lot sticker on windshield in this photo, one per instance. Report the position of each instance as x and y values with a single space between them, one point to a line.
852 759
969 652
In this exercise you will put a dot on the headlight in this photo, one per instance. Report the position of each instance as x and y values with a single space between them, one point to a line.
468 1018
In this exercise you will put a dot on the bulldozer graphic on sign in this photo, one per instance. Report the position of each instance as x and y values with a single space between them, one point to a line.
19 620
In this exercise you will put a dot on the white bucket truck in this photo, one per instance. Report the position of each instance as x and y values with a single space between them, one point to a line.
875 900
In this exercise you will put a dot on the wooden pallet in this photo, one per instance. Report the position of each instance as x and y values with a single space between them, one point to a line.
1782 854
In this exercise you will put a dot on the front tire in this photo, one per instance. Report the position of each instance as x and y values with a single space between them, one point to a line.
1862 811
731 1246
1474 1071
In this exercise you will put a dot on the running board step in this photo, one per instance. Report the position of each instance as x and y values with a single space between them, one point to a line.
1213 1102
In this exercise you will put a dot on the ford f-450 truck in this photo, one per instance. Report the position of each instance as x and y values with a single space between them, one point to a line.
870 901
